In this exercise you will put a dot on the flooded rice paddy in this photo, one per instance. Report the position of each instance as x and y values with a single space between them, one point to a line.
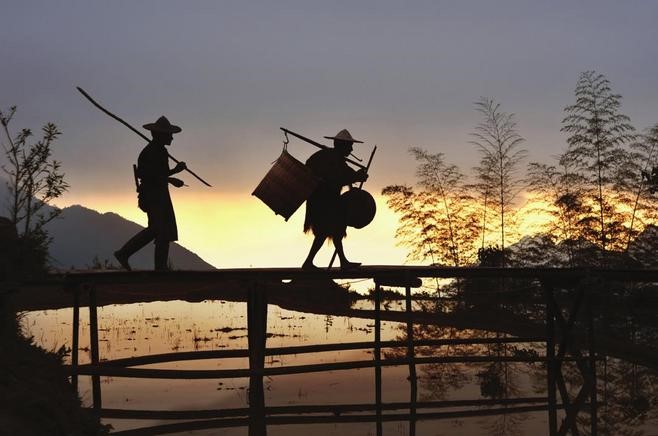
180 326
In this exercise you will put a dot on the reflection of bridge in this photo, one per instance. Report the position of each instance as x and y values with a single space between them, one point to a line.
262 286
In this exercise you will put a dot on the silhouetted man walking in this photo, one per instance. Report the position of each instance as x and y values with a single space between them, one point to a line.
325 216
153 173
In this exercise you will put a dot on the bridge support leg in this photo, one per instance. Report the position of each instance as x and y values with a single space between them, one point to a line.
75 338
377 351
257 333
592 367
550 360
568 327
413 381
93 344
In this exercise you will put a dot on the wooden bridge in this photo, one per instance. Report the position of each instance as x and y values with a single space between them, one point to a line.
566 332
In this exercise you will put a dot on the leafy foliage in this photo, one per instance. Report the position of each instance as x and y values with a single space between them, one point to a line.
438 222
597 136
34 180
499 144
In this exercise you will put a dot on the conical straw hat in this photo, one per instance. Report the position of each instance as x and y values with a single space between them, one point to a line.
162 125
344 135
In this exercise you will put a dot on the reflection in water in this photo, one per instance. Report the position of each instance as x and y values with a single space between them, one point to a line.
460 380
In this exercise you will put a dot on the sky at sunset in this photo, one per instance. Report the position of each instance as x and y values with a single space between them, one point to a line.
230 73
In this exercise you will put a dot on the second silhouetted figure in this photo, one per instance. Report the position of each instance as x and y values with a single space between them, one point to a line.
325 215
153 178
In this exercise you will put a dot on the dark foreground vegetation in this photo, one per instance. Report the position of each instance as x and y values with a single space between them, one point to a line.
36 397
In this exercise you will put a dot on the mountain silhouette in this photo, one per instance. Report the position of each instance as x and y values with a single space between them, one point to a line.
82 237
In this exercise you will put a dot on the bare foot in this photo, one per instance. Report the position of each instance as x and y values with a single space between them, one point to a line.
350 266
308 266
122 259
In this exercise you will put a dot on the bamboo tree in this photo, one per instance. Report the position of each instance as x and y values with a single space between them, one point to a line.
597 135
437 222
499 144
642 159
560 191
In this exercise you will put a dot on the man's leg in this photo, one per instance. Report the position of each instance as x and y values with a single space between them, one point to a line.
133 245
344 263
315 247
161 255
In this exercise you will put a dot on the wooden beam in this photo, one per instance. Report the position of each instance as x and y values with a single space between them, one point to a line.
281 351
334 409
305 420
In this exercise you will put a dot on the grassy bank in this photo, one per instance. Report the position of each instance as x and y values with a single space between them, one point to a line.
36 397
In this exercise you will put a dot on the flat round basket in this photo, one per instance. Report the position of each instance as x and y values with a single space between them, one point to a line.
359 207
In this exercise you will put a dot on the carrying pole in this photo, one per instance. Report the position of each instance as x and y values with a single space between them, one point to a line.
322 146
141 135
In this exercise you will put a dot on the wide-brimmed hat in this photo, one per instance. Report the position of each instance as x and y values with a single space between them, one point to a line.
162 125
344 135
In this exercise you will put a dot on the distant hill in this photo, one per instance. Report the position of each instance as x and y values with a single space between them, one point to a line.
81 234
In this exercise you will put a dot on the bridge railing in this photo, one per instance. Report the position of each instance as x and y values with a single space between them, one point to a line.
257 416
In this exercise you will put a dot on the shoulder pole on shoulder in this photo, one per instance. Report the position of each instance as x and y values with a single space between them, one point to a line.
141 135
322 146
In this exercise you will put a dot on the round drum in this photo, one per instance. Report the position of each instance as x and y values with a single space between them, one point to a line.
359 207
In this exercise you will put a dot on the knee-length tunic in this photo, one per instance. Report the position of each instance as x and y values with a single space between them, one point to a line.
325 215
153 172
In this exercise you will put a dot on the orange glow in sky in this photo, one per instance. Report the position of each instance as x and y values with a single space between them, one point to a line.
236 230
239 231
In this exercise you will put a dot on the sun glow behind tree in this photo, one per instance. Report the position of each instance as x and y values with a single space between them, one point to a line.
589 207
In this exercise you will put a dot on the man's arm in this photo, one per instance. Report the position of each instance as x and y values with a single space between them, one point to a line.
180 166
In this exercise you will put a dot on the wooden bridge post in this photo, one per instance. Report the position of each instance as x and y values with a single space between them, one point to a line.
550 358
257 335
93 344
592 366
377 355
75 337
413 381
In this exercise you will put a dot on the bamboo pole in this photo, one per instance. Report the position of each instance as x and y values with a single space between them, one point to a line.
140 134
102 370
317 144
306 420
335 409
304 349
